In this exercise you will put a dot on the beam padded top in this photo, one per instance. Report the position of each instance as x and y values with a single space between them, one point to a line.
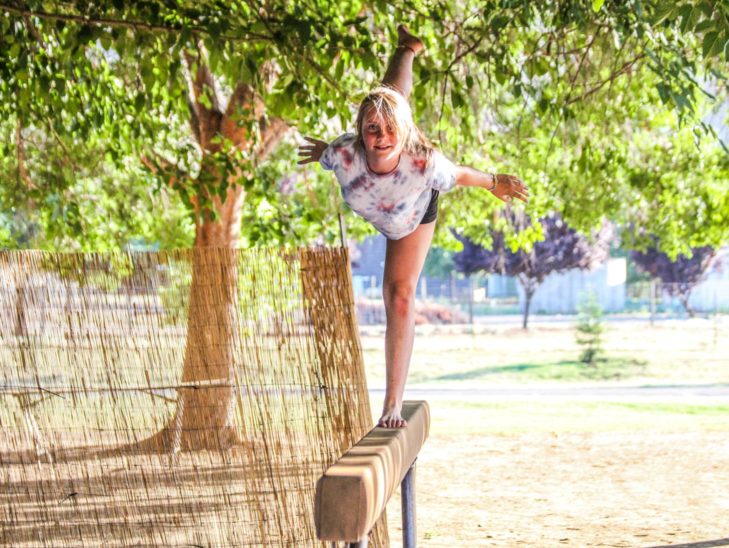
354 491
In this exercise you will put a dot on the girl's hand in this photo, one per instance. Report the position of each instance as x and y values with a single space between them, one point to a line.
312 152
509 187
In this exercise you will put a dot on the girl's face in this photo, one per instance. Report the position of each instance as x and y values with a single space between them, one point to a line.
379 138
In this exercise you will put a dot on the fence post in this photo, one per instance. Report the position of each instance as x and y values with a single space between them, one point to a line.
470 300
716 315
653 300
343 231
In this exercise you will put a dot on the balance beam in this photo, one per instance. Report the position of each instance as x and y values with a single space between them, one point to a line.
353 492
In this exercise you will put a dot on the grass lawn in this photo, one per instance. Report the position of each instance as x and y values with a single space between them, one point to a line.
688 351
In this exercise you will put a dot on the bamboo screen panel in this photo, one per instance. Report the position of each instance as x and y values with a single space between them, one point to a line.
188 398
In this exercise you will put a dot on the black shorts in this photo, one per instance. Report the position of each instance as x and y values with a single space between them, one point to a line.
432 211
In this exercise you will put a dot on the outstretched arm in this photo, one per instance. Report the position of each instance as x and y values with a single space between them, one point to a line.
312 152
504 187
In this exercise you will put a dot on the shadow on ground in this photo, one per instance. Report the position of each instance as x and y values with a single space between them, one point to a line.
565 370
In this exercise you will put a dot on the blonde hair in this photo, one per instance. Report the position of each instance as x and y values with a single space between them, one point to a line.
395 111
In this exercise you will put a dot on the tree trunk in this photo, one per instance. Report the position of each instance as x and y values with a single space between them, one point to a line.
529 288
684 298
205 410
527 303
205 406
206 398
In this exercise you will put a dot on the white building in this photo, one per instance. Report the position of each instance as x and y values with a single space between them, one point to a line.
562 293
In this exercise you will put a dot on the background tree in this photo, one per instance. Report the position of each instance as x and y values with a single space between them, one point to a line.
438 263
549 91
119 83
560 249
589 330
680 275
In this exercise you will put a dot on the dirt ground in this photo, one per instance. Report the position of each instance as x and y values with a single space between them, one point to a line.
542 489
567 473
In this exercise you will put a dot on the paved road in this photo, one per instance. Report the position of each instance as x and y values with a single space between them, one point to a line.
709 394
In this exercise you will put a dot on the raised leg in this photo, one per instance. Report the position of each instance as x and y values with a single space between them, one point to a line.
404 261
399 73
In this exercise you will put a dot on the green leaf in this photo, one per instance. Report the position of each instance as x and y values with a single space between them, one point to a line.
139 102
704 26
500 75
105 40
663 92
456 98
712 44
664 11
597 4
498 23
84 34
685 13
303 29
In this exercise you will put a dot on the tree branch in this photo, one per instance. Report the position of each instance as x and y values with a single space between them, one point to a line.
242 95
68 156
203 77
241 36
579 66
34 31
22 173
272 133
461 55
626 66
305 56
205 121
164 168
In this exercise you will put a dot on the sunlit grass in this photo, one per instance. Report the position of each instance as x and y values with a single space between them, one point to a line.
687 351
541 416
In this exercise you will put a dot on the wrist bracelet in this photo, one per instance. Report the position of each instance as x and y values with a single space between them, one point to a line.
493 187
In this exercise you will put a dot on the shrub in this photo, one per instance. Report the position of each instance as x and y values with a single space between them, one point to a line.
590 330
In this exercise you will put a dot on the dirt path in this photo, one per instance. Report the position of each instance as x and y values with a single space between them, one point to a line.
543 489
703 394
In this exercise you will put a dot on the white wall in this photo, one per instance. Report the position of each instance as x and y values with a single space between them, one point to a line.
562 293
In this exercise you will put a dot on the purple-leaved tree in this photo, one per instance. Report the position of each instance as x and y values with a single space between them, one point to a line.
678 277
562 249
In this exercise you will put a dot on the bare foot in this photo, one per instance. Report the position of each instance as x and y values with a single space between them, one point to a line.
391 417
405 39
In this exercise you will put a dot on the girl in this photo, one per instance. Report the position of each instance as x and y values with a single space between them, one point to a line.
391 175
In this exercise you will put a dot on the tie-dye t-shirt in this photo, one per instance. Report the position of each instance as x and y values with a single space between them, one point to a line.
394 202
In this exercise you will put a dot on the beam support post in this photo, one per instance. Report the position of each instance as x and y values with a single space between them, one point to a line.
407 503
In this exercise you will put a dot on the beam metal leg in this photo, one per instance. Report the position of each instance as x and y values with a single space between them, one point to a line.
407 500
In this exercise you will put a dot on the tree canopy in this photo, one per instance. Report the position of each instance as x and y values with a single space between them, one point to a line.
601 107
559 249
679 276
